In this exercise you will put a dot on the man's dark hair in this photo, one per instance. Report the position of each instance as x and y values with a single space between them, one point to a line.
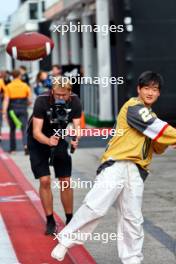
148 78
56 66
16 74
23 67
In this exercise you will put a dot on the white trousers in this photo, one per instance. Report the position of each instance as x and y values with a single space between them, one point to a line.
120 185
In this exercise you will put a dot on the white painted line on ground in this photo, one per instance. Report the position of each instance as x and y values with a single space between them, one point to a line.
7 252
13 198
3 156
32 196
5 184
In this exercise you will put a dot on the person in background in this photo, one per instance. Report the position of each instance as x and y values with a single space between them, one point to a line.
41 144
56 70
17 98
2 92
7 77
24 74
43 83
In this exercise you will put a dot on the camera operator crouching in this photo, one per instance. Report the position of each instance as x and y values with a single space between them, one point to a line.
52 112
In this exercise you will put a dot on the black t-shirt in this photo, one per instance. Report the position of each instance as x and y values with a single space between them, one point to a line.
42 106
25 78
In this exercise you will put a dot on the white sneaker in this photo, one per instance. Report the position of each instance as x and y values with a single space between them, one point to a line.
59 252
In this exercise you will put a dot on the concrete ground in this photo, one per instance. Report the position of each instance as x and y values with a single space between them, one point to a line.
159 206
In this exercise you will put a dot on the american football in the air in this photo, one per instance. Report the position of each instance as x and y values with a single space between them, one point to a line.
30 46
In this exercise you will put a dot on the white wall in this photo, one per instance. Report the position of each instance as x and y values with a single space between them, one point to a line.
49 3
21 22
5 60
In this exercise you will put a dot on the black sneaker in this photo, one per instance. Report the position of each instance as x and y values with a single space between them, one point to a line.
50 228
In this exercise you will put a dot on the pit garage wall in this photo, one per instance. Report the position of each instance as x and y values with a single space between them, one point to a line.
149 46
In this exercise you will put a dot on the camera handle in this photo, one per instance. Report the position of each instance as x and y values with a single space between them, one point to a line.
72 149
52 156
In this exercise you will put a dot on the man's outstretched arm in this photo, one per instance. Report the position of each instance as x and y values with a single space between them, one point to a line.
140 118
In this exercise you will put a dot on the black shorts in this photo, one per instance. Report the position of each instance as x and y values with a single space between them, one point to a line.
40 155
